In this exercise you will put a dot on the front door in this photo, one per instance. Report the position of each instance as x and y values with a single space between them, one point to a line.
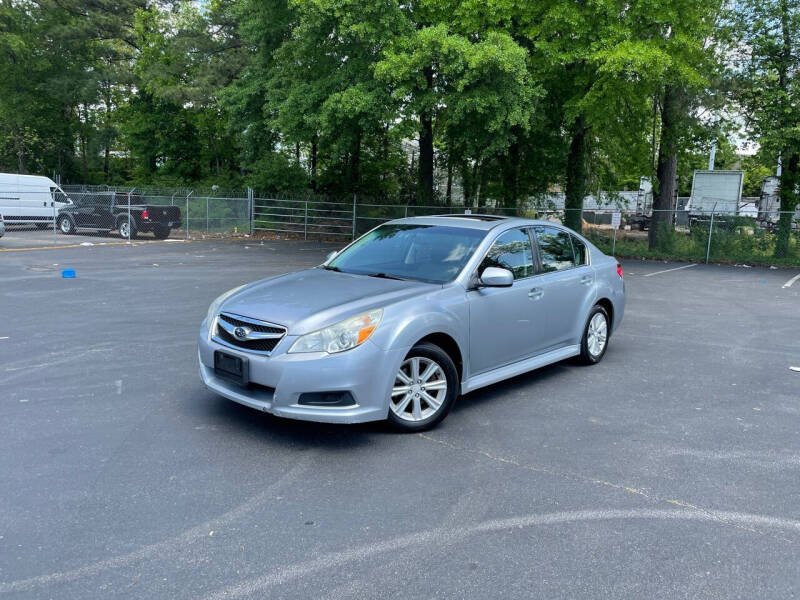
503 320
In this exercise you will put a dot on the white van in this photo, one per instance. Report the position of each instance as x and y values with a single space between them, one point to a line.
30 199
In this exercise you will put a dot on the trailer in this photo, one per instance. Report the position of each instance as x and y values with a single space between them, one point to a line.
769 205
716 191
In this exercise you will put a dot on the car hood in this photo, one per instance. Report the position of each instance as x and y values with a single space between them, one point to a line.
309 300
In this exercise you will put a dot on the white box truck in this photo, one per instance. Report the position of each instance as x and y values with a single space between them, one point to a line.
30 199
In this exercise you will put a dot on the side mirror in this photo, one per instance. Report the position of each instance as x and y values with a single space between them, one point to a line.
496 277
331 255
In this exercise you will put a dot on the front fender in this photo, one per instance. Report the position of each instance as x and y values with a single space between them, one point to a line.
444 311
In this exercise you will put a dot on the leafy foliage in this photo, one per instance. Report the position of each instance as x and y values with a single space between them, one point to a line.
495 100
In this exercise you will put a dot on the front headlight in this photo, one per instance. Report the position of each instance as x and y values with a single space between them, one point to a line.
341 336
215 305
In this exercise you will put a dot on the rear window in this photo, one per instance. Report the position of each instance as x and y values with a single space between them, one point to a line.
580 251
555 249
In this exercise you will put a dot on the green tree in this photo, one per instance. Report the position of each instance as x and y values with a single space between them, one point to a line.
769 48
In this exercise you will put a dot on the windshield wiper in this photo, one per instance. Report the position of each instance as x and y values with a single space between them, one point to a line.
327 268
385 276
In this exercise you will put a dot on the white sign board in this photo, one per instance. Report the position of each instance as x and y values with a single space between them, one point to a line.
616 219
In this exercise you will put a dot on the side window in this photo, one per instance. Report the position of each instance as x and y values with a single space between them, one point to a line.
580 251
555 249
512 251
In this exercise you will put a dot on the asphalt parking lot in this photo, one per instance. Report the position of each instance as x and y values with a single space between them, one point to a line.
670 470
26 237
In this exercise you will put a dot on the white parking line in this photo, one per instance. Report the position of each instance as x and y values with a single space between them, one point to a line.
668 270
789 283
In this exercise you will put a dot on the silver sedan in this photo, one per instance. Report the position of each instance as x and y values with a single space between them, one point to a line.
411 315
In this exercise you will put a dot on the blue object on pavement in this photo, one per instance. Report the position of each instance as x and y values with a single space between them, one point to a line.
68 273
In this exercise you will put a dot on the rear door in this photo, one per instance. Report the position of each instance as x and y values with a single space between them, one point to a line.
84 207
503 320
564 286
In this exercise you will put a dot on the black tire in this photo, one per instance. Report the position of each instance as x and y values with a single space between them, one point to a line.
160 232
66 225
429 353
122 227
587 357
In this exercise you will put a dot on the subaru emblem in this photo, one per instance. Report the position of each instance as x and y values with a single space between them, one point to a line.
241 333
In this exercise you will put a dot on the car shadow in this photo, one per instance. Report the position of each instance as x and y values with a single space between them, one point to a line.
301 435
344 437
510 387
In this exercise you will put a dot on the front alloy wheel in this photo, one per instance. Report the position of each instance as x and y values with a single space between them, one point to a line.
424 389
66 225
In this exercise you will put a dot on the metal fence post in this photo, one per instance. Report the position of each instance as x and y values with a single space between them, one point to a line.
187 213
129 215
354 215
305 223
250 200
207 214
710 231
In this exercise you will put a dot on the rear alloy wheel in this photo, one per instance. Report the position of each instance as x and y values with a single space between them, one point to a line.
595 336
66 225
127 229
425 388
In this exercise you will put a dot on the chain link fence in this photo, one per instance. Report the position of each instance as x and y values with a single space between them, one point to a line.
707 236
730 235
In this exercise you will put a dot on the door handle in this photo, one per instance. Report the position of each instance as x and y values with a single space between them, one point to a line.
586 279
535 293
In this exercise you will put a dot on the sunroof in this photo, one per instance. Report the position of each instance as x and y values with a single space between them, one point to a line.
476 217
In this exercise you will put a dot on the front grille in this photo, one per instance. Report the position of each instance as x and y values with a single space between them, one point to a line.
259 326
262 346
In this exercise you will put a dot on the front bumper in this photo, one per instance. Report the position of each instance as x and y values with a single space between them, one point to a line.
367 372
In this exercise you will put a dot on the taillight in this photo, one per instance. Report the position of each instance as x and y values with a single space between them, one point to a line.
619 270
145 214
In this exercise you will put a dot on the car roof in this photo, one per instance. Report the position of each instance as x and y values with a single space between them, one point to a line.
472 221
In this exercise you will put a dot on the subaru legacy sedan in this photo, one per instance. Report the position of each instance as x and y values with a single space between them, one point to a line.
409 316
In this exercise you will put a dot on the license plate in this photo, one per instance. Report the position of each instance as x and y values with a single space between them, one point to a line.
231 367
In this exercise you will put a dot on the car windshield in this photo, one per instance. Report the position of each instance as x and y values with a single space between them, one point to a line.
430 253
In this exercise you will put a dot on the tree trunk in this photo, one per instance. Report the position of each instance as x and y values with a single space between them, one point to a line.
314 143
511 177
482 177
107 140
426 147
466 183
576 176
667 169
790 178
83 118
449 194
19 144
355 164
789 172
